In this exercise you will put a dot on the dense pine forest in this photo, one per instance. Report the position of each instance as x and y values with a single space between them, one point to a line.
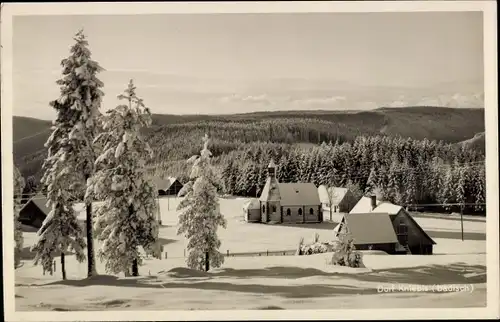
404 171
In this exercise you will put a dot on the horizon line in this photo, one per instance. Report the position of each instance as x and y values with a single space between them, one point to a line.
295 111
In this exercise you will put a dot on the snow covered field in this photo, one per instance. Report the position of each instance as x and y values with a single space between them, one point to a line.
265 282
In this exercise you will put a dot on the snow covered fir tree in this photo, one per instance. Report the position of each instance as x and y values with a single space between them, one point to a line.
18 234
77 120
126 221
60 231
200 214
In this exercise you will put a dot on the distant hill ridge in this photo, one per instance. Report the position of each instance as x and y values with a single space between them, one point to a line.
451 125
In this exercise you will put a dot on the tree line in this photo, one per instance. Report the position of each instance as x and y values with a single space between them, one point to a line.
403 171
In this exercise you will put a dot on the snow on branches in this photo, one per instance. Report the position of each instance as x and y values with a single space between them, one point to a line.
70 157
200 214
79 102
60 230
126 220
18 234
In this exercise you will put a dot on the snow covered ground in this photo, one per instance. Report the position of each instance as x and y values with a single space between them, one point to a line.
265 282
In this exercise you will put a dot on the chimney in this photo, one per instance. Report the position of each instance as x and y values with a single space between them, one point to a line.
373 202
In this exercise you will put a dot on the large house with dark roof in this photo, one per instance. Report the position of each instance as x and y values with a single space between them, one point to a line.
34 211
288 202
411 237
370 231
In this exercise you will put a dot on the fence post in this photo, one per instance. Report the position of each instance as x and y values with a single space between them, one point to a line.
166 255
54 266
227 253
267 252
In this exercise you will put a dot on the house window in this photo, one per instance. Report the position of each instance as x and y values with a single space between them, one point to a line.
311 211
274 208
288 212
264 209
300 211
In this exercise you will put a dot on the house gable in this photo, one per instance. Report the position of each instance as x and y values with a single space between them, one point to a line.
406 217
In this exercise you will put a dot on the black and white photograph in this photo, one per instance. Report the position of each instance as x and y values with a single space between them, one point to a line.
277 159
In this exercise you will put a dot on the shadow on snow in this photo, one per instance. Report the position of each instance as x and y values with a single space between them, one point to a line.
183 278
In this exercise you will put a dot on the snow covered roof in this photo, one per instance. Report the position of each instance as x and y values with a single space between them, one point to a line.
164 184
388 208
297 194
271 190
338 193
370 228
251 204
364 205
40 201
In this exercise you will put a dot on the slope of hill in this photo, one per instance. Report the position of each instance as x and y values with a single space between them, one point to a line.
172 133
477 142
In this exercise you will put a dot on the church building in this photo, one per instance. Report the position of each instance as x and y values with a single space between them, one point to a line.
289 202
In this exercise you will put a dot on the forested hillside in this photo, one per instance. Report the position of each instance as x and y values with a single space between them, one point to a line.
175 137
404 171
412 155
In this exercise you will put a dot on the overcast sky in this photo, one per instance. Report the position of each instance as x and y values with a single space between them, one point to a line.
213 63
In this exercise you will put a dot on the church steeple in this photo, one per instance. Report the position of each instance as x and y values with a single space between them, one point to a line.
271 188
271 169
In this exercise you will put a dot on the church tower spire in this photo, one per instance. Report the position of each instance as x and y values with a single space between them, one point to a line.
271 169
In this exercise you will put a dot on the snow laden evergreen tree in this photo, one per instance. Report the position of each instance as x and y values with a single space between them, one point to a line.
126 220
18 234
60 232
78 115
200 214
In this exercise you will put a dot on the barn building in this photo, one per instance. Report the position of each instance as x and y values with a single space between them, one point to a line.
410 234
370 231
289 202
342 199
34 212
168 187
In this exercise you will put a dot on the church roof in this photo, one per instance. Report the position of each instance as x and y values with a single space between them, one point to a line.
297 194
272 164
291 194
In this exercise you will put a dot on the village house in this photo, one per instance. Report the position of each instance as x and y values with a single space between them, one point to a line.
167 187
34 211
412 239
342 199
369 231
286 202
